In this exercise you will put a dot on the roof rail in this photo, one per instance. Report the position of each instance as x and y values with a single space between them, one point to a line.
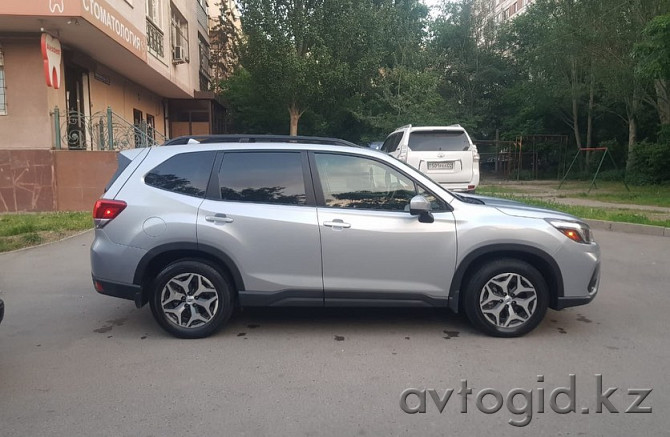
208 139
405 126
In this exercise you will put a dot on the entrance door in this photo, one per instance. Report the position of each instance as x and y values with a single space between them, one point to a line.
76 106
139 132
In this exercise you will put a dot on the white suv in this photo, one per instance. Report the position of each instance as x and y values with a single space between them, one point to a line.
446 154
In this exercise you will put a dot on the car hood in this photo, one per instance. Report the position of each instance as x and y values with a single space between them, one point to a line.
519 209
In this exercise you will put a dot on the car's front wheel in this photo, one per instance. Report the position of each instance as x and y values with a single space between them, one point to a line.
506 298
191 299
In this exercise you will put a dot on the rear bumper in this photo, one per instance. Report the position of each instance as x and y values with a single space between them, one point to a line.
122 291
462 188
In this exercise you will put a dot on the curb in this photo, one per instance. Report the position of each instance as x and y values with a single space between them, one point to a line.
629 228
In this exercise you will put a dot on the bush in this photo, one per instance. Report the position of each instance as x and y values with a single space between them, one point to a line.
612 175
651 164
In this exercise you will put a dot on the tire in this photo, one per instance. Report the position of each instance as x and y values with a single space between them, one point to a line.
506 298
191 299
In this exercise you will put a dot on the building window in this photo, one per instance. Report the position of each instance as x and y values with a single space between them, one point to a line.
203 18
179 37
154 12
205 70
3 94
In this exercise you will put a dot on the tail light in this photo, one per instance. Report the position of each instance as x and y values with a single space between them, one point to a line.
106 210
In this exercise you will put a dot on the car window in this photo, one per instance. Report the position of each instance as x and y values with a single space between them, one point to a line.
186 173
437 205
362 183
391 143
263 177
451 141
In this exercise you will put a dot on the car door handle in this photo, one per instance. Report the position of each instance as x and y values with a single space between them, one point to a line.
218 218
337 223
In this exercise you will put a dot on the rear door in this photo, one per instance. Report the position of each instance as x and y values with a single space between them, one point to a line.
444 155
262 214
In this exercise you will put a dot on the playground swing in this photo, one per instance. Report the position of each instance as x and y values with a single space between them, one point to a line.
602 159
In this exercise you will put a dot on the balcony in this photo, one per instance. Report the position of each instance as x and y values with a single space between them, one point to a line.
202 18
155 40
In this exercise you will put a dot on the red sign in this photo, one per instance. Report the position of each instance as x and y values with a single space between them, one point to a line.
51 54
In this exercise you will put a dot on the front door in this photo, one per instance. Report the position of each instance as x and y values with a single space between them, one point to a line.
371 246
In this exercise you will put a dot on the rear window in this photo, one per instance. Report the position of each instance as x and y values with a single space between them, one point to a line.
186 173
429 141
263 177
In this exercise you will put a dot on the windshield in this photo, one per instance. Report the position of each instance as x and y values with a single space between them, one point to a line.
429 141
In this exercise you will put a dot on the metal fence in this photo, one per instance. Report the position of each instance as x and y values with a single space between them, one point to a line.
103 130
527 157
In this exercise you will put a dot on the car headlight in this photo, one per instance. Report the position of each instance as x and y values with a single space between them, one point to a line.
576 231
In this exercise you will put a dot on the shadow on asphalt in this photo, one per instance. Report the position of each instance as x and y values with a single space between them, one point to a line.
130 322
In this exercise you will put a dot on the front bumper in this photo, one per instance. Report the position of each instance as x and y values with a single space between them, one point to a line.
592 291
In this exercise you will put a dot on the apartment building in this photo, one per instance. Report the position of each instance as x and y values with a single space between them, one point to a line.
69 69
502 10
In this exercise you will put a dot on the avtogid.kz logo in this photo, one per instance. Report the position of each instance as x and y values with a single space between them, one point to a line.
521 402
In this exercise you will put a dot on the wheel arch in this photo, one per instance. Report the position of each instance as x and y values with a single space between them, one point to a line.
539 259
159 257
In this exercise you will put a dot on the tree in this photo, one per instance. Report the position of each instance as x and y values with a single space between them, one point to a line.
653 62
286 56
623 25
224 44
473 72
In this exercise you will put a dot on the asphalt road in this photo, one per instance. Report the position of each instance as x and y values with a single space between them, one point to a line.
74 363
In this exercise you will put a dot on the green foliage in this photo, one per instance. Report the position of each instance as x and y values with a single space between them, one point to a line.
358 69
651 164
653 52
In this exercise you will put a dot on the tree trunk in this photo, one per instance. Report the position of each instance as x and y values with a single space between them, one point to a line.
662 100
575 122
589 119
295 114
575 104
632 140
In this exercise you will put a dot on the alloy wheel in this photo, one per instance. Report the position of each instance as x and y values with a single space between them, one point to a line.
189 300
508 300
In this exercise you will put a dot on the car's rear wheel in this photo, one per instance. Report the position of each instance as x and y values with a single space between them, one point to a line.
191 299
506 298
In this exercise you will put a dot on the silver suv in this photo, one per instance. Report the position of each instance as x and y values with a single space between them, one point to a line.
446 154
207 224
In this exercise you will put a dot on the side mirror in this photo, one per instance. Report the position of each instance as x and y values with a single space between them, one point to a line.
421 207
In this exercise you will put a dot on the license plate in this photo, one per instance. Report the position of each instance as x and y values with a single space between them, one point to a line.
449 165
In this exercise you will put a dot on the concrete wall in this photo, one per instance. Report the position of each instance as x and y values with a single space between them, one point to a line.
53 180
123 96
27 181
27 124
81 177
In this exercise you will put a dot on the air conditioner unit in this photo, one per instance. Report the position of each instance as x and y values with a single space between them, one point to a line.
178 55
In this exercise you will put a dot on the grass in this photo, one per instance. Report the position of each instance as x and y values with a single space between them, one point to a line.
606 191
609 214
23 230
